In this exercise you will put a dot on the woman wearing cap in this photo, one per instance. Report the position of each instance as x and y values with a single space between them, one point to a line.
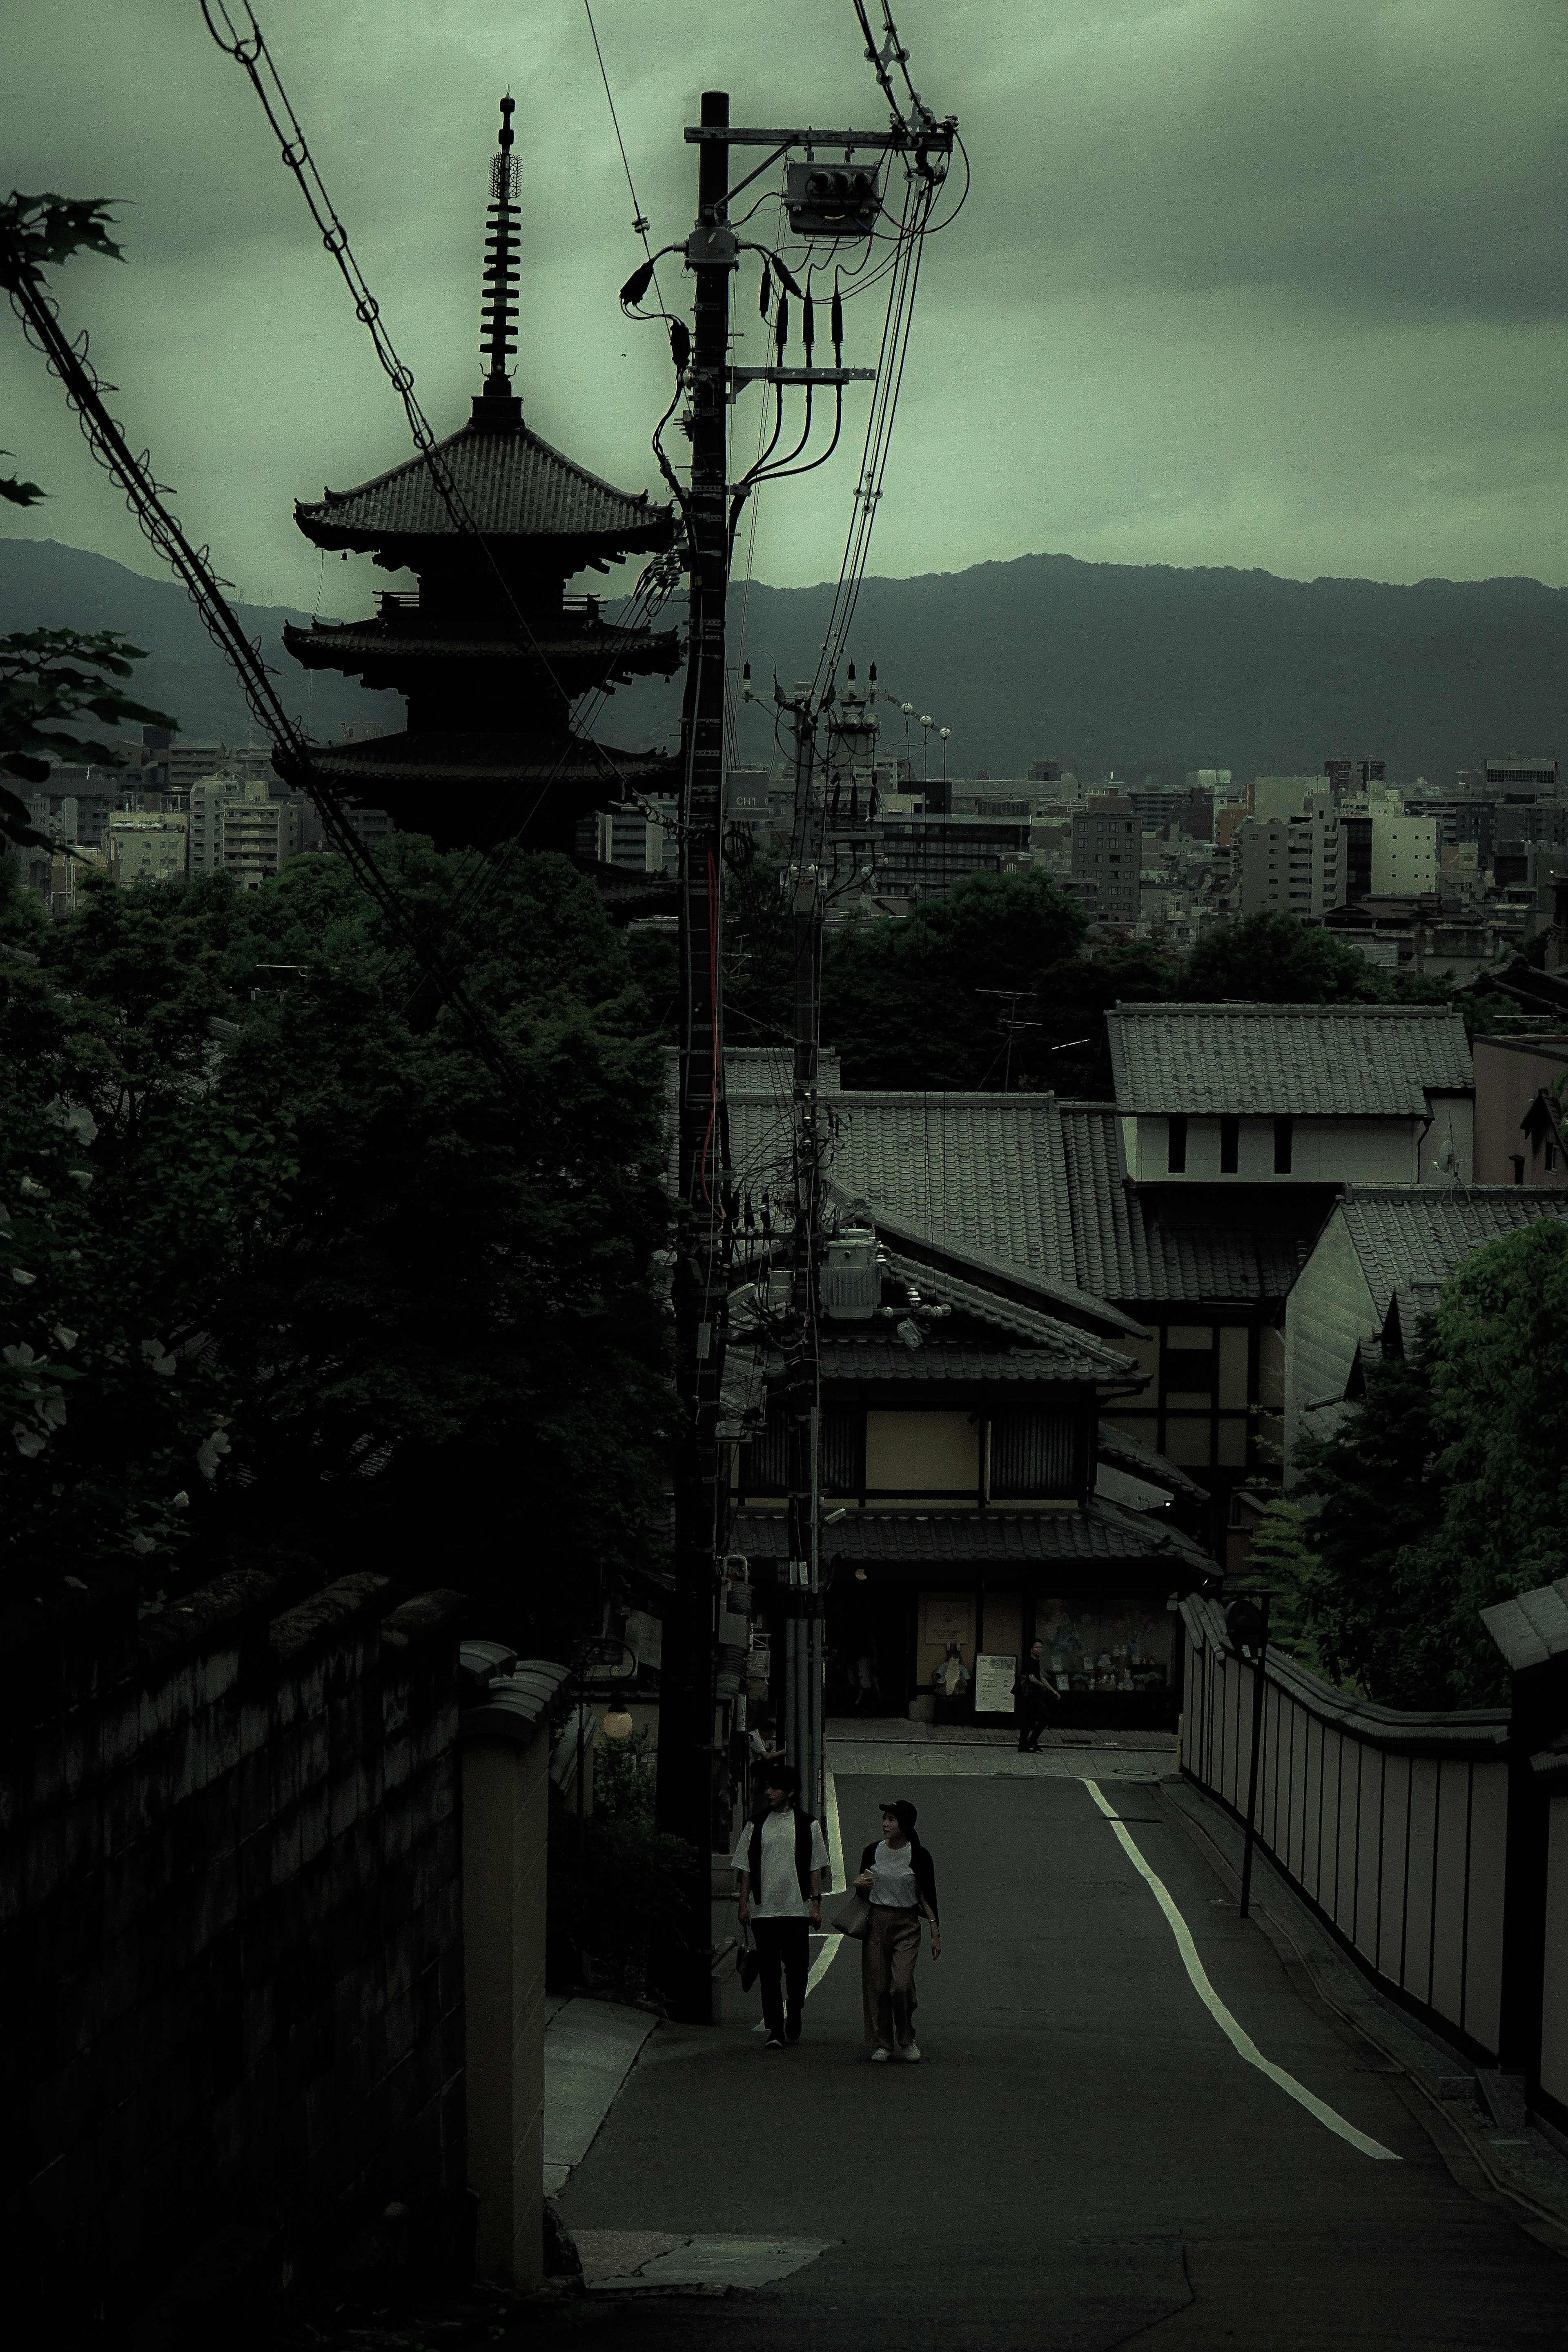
899 1880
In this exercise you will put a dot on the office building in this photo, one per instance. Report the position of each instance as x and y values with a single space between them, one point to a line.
1354 776
185 764
1107 851
1517 775
1288 796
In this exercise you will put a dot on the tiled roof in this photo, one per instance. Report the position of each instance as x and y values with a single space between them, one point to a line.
617 653
1408 1238
1124 1249
510 485
1345 1060
1130 1453
1533 1627
1048 1292
1088 1358
1101 1532
984 1170
408 759
880 1358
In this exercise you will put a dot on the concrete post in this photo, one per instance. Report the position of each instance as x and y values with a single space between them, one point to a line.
506 1820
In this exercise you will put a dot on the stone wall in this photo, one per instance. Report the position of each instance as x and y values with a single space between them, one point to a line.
230 1947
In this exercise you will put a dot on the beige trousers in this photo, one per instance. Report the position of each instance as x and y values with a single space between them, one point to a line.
887 1958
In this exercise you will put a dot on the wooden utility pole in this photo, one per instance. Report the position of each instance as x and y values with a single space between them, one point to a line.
686 1753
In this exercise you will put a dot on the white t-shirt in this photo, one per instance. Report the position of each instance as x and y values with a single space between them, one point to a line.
893 1877
779 1896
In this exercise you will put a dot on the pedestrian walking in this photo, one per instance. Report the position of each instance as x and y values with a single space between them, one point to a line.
763 1743
899 1881
1033 1692
781 1856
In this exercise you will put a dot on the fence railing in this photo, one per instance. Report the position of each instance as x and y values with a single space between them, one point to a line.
1393 1826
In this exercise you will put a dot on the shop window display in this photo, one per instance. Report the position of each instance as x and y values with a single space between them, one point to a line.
1105 1646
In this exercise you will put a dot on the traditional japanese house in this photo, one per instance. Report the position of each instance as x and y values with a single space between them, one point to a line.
490 652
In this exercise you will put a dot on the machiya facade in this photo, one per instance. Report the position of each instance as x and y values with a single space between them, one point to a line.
489 651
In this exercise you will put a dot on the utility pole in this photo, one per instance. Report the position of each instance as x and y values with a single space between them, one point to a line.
687 1690
802 1603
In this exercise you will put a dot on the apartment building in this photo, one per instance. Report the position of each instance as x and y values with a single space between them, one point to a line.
1292 865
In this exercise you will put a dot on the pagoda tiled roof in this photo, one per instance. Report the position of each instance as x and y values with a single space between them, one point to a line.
509 485
409 760
351 645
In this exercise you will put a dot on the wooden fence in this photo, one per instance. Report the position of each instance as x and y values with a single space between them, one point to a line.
1393 1826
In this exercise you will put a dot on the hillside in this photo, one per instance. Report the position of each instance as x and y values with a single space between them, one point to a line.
1106 667
44 585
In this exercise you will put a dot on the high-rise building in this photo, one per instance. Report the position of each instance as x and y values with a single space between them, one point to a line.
1517 774
187 763
1352 775
1288 796
1404 855
210 796
1107 851
260 836
146 848
1292 865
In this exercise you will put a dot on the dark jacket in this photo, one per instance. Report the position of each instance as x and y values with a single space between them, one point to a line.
802 1827
922 1865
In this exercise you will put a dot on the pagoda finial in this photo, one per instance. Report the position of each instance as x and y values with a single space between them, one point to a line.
499 309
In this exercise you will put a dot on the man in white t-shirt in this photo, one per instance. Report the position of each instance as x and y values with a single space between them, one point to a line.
781 1857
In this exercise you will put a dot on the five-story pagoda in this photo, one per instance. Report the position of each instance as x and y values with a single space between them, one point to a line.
490 654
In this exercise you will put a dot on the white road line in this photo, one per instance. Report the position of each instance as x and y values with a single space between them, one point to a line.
1241 2041
826 1958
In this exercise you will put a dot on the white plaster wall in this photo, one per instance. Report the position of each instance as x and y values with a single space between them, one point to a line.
1330 1310
1455 1114
1323 1151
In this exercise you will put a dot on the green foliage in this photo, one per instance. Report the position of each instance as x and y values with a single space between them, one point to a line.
1447 1491
49 679
1271 958
617 1883
17 492
36 233
903 997
420 1302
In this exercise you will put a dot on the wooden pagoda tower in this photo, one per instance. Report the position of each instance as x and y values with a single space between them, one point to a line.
490 654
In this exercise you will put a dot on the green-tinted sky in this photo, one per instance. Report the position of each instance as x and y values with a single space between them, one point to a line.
1273 282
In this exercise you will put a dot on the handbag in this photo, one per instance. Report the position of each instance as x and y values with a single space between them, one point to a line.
751 1961
853 1919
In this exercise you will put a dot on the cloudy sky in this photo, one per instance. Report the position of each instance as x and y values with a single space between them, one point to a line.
1246 282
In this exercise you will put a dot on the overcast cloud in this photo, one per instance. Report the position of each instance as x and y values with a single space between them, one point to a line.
1241 281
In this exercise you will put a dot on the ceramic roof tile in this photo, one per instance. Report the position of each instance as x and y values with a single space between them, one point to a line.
1125 1253
507 484
1101 1532
1411 1237
1345 1060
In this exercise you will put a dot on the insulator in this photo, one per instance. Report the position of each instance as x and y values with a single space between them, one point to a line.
781 324
872 673
679 345
637 284
808 324
836 316
766 296
851 669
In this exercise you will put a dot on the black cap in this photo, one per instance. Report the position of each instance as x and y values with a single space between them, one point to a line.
902 1812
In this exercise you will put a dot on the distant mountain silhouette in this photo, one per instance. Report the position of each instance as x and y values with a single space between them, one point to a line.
44 585
1107 666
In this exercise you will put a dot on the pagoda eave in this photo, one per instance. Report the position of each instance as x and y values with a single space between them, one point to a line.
443 762
579 659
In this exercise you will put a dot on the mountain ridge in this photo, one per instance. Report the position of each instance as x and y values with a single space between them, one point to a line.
1121 668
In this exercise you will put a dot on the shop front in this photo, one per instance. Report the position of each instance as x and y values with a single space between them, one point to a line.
931 1618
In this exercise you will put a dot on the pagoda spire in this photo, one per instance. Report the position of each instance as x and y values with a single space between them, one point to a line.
498 407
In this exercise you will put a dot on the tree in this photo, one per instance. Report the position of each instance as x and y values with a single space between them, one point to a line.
1447 1490
48 677
1271 958
422 1300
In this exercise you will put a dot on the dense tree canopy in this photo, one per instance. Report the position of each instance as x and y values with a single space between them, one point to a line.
1447 1490
360 1305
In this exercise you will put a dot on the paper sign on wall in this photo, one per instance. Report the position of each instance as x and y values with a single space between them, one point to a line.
993 1678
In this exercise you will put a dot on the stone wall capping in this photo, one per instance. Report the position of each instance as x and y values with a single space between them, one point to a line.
300 1628
427 1616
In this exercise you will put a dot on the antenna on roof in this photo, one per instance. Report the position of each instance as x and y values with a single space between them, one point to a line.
499 311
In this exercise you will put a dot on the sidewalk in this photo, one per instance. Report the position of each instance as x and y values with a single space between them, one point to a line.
590 2048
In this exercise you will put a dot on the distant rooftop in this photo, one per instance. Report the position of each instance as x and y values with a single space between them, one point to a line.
1346 1061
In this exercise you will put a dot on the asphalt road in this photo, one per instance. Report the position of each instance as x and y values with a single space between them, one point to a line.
1082 2159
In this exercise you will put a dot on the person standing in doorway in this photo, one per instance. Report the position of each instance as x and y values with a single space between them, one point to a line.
1033 1692
781 1856
899 1880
